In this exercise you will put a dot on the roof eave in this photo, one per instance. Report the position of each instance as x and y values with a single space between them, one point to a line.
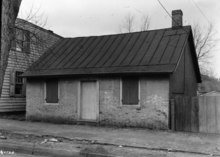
71 72
95 74
195 59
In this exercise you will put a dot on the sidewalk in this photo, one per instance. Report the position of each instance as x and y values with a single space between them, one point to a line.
143 139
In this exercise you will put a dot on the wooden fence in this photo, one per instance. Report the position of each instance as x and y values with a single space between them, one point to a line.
196 114
209 114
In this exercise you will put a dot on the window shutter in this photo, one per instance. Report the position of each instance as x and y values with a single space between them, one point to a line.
52 91
24 87
133 91
12 83
125 91
130 91
26 44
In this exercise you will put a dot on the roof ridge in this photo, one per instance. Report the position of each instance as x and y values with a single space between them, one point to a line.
170 28
36 26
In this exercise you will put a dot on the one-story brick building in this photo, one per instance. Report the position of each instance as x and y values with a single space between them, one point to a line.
123 79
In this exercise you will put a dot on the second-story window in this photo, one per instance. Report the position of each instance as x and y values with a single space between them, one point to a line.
21 41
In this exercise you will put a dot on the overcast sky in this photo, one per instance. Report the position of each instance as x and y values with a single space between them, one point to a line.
72 18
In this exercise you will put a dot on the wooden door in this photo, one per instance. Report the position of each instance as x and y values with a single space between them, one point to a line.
89 102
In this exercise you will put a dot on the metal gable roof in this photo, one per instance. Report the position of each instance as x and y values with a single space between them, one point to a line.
155 51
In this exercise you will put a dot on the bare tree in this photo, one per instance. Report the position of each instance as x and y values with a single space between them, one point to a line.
34 35
205 42
10 9
128 25
131 24
35 16
208 71
204 38
145 23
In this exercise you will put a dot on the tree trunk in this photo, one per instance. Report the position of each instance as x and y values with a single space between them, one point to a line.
9 12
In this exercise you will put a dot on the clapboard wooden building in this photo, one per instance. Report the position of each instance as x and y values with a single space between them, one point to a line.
29 44
123 79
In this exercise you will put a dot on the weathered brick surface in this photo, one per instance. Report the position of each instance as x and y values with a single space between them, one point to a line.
65 111
152 112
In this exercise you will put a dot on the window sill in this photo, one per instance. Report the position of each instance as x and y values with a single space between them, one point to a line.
46 103
14 49
18 96
20 51
131 106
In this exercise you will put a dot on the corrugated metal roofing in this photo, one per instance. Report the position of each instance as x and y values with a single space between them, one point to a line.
152 51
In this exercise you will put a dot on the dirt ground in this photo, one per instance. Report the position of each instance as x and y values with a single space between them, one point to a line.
127 142
20 116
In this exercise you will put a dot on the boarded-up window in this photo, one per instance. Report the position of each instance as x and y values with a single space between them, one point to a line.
52 91
130 91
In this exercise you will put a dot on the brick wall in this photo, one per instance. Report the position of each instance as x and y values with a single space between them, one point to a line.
65 111
151 113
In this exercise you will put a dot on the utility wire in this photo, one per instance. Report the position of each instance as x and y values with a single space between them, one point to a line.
200 10
164 8
203 14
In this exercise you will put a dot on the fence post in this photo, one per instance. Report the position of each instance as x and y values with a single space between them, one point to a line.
195 115
172 109
202 114
218 114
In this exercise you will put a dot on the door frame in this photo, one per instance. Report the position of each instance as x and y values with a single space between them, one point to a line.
79 108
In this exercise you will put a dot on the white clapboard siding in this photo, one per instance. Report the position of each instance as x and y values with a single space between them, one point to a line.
12 104
19 61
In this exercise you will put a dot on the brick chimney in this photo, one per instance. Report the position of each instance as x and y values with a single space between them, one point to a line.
177 18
